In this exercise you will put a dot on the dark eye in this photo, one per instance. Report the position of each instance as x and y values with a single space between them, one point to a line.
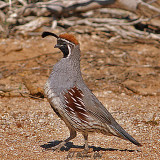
60 42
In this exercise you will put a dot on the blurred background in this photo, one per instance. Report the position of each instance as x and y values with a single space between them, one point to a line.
120 63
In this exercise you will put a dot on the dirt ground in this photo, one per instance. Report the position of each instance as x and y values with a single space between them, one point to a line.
124 76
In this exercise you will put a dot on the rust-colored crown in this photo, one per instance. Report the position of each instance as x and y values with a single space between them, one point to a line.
69 37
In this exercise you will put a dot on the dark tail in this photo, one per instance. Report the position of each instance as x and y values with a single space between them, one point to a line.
123 134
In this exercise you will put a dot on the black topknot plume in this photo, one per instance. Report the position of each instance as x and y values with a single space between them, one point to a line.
45 34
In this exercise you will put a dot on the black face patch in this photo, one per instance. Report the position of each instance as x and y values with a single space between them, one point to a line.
64 47
65 51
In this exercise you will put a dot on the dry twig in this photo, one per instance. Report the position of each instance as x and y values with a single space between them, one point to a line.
34 91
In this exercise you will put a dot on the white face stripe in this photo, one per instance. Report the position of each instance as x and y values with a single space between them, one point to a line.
68 45
69 49
67 41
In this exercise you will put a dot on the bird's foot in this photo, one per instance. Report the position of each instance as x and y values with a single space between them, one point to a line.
87 150
57 147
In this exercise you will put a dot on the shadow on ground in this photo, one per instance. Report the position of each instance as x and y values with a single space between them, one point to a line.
70 145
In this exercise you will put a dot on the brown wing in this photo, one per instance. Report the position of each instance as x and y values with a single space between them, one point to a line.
74 105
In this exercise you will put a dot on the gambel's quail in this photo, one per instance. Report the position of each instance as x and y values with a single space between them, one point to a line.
71 99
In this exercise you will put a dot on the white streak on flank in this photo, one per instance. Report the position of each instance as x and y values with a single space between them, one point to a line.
84 115
77 104
74 99
82 103
82 94
84 121
70 93
77 121
65 97
66 101
73 90
73 112
80 98
71 109
81 108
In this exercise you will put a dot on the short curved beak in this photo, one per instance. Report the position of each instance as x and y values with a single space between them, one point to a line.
57 46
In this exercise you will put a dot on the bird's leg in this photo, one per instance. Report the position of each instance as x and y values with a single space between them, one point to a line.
85 135
59 146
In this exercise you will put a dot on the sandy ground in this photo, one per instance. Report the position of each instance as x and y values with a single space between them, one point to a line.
129 89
